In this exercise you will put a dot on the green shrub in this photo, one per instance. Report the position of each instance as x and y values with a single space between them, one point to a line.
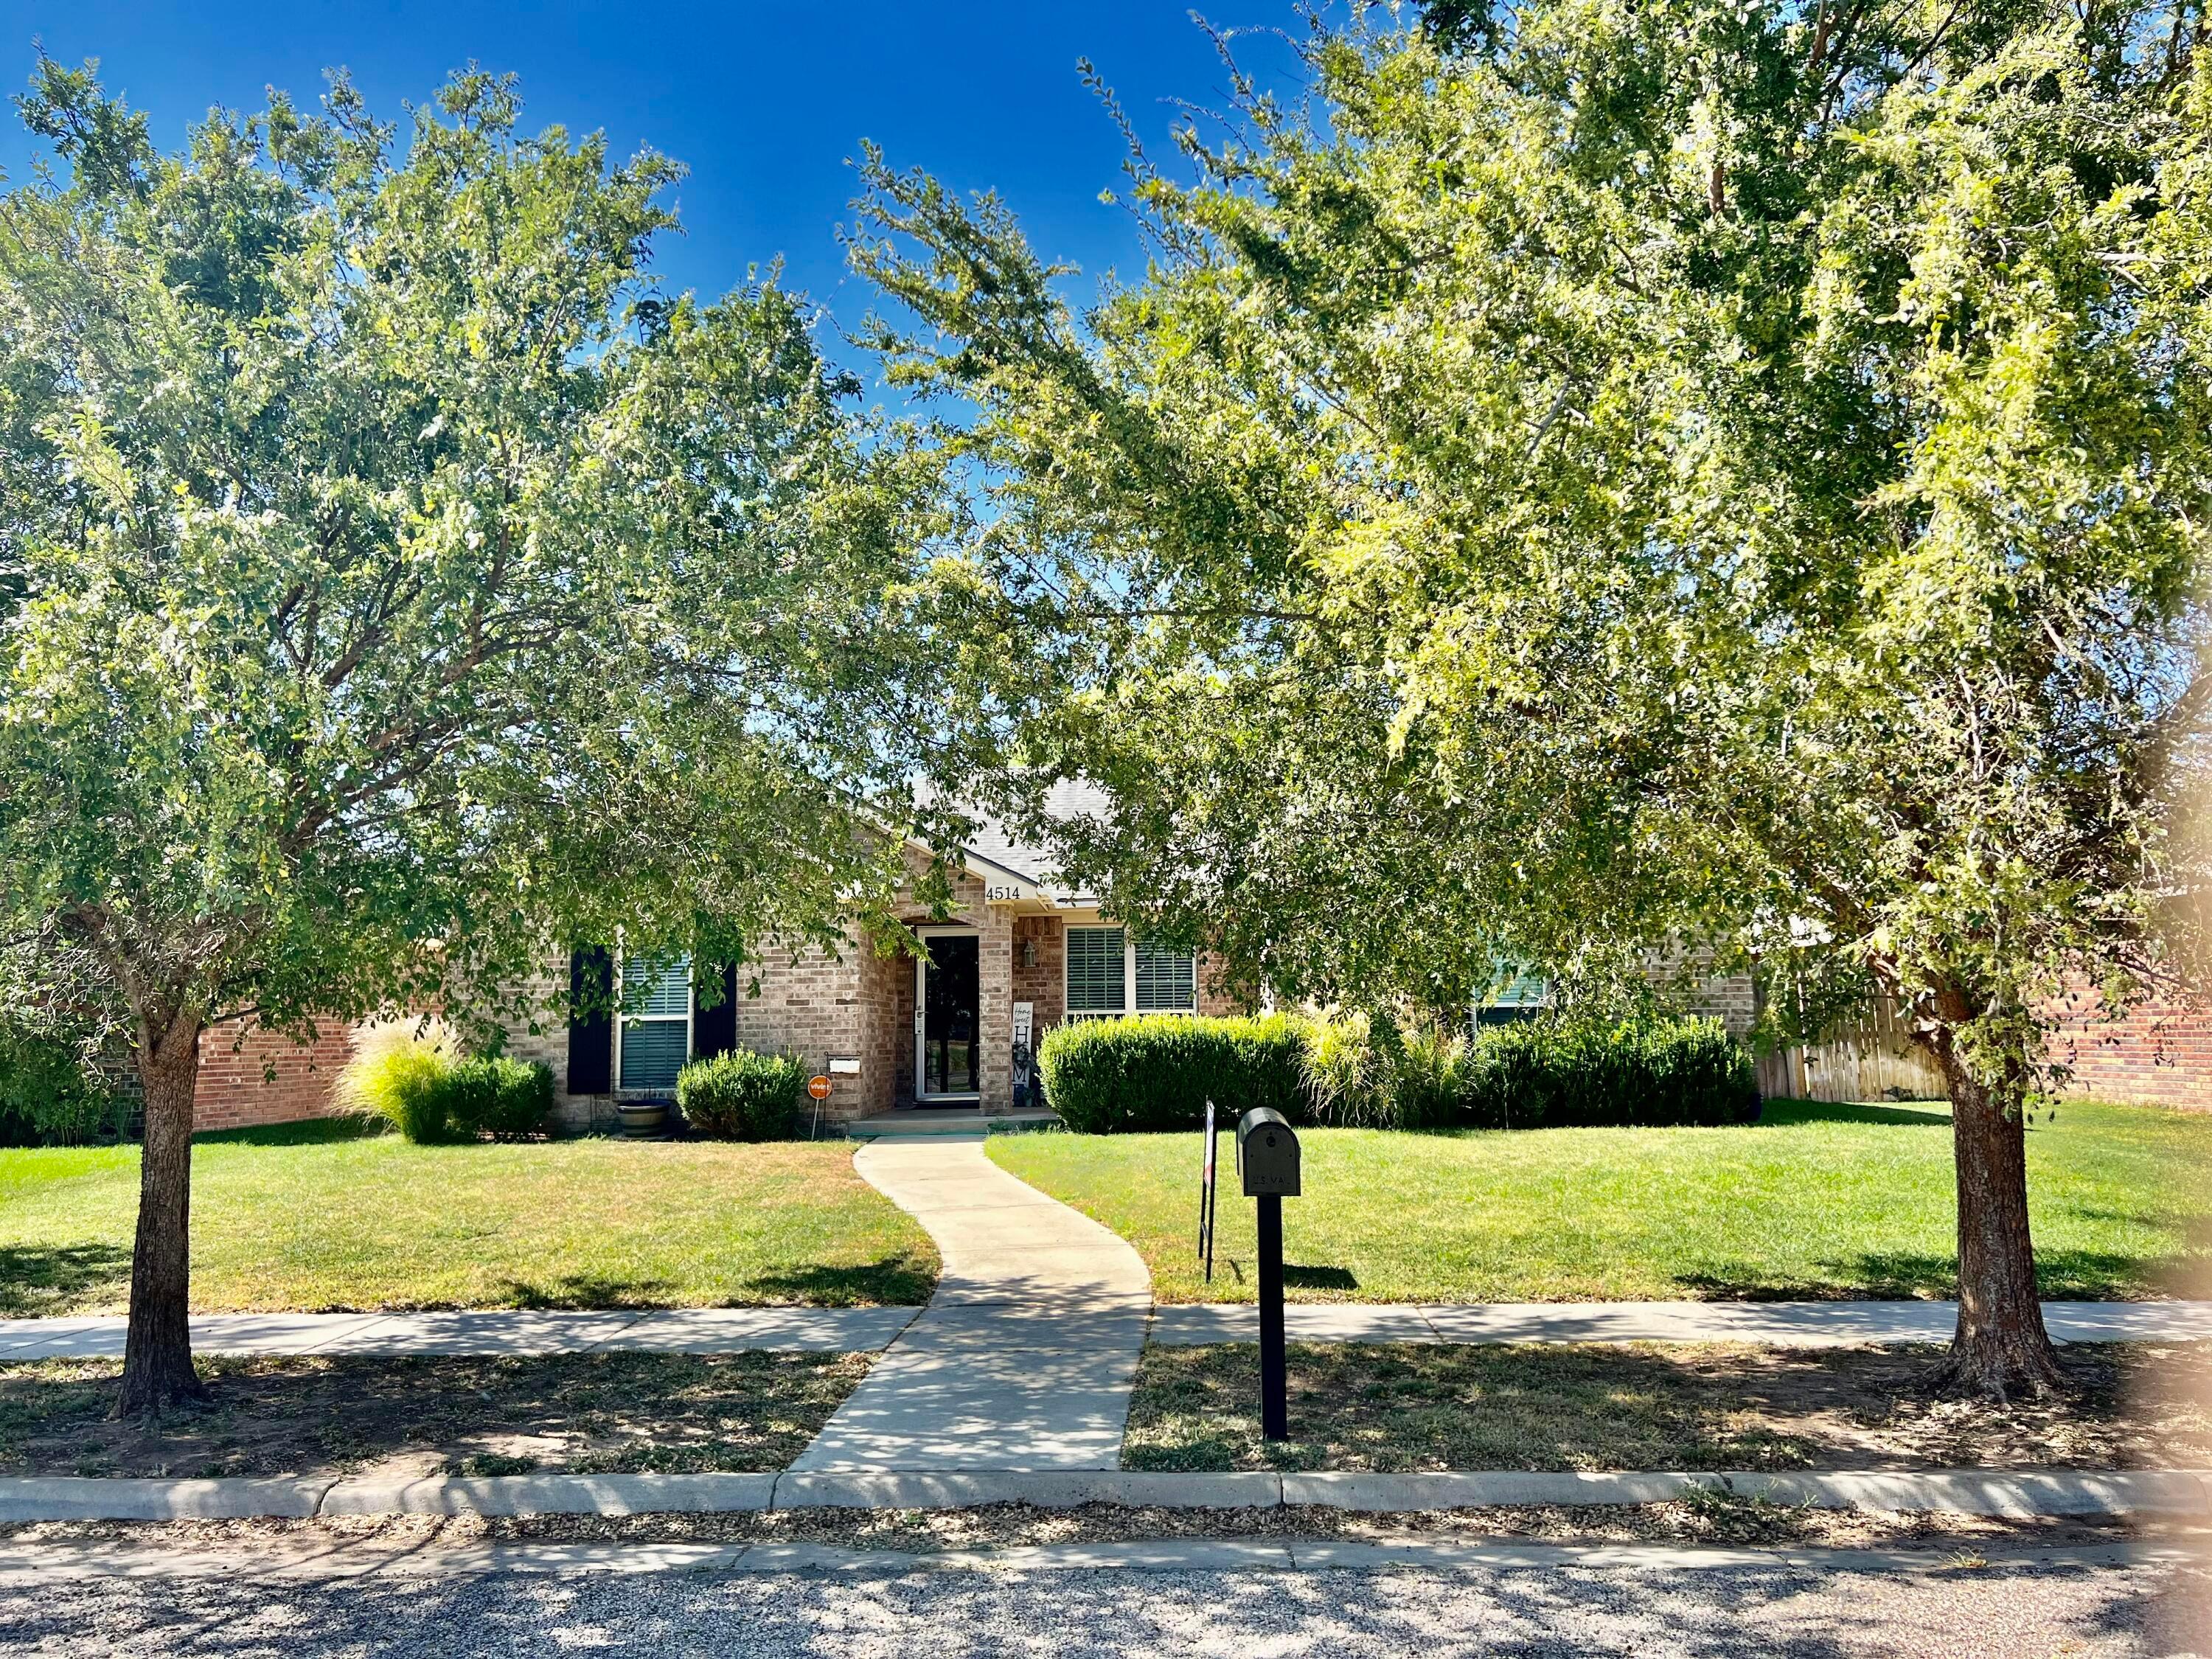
1428 1076
501 1098
397 1073
1557 1071
1157 1070
1347 1081
741 1095
52 1094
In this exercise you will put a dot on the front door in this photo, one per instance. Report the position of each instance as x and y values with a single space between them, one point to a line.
948 1063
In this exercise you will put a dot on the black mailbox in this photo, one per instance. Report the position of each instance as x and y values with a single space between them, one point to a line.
1267 1154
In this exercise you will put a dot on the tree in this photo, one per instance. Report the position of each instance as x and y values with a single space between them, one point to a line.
395 587
1598 481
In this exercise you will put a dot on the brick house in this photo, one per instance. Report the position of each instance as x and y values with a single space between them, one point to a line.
1017 953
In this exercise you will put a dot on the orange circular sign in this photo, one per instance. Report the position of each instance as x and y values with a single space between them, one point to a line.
819 1087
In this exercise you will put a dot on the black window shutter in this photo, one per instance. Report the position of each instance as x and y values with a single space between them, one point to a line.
714 1030
590 1021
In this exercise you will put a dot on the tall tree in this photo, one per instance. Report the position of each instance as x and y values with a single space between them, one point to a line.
398 587
1598 479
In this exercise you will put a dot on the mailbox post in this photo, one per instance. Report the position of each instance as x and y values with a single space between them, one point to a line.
1268 1163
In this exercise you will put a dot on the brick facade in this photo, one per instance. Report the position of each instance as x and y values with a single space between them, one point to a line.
2156 1054
1042 983
250 1077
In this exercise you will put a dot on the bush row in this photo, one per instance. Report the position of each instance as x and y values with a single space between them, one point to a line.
1157 1072
415 1077
1556 1073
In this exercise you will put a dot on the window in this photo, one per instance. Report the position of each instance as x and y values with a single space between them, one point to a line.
1109 973
1516 993
1167 981
1097 972
654 1038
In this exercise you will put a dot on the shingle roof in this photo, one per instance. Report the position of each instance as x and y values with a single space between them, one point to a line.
994 842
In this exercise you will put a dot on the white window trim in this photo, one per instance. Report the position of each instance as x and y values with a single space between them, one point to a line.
1128 979
690 1014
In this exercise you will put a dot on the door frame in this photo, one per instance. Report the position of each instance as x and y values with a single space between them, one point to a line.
921 1015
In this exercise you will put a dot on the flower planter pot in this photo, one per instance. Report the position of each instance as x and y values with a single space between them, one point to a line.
643 1120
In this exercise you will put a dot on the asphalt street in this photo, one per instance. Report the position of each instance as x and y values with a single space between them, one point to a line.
1803 1612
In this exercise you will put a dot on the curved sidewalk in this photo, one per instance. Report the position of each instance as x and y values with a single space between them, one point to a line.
1025 1357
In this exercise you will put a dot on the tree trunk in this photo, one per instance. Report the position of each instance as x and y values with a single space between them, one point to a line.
157 1351
2000 1348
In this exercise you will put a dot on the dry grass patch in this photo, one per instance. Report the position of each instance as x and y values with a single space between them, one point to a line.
1716 1519
582 1413
1708 1406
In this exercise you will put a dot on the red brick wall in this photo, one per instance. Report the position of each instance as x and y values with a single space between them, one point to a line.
2157 1053
1214 999
1045 982
254 1077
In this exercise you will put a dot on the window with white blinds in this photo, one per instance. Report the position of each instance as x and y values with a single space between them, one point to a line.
654 1036
1108 972
1098 975
1167 981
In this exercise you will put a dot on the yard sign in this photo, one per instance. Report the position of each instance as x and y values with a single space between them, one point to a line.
1205 1196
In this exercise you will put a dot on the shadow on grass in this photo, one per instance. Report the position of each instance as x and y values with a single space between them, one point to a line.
573 1291
2064 1275
309 1132
1785 1113
893 1281
1318 1278
37 1280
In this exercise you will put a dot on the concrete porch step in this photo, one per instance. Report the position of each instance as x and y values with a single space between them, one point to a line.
945 1121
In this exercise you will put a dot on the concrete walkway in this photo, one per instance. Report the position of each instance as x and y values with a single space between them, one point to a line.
1774 1324
1025 1358
869 1330
489 1331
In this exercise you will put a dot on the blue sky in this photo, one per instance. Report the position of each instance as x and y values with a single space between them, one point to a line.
765 104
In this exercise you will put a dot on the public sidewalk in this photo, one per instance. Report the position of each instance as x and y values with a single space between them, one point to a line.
1770 1324
869 1330
1025 1358
488 1331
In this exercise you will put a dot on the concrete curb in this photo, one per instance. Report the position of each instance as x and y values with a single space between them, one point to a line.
70 1498
1054 1489
552 1494
2013 1493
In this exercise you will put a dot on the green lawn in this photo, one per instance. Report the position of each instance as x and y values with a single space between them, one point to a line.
1814 1200
317 1217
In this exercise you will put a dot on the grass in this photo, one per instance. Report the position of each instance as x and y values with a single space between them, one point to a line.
1706 1405
587 1413
1812 1201
319 1216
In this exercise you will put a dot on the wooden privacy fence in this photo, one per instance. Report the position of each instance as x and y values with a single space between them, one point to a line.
1871 1058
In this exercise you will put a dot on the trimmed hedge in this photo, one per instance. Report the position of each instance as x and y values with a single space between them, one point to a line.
1555 1074
1157 1070
741 1095
499 1096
